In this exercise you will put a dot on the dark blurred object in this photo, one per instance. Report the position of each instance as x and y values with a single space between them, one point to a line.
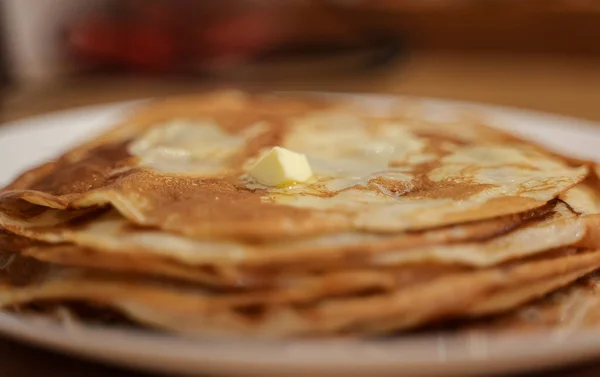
184 35
506 26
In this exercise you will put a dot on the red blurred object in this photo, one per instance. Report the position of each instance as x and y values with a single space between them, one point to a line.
152 36
148 48
180 35
244 34
133 44
95 38
162 14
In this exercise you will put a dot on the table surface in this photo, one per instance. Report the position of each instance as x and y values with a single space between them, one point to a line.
553 84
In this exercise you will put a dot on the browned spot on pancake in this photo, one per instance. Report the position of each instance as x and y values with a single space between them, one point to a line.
90 172
181 204
446 189
70 175
391 185
436 142
423 187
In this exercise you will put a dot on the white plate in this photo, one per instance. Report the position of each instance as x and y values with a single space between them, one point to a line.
28 142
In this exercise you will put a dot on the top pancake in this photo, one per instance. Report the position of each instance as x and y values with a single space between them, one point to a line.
181 165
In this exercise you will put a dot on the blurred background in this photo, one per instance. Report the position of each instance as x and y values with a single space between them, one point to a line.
540 54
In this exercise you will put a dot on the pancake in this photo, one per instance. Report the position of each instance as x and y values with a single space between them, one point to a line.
406 222
258 269
109 242
188 175
288 289
111 233
193 311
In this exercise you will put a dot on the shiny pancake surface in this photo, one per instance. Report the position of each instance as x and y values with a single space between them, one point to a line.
189 175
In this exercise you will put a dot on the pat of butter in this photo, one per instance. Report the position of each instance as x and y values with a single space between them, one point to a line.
281 166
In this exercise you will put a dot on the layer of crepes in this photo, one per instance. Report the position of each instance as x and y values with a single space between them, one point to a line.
559 229
188 175
108 241
196 312
111 233
287 289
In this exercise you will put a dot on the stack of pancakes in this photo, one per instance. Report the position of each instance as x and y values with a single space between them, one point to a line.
406 222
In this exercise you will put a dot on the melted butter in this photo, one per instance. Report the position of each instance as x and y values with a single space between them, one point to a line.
518 175
191 147
365 179
348 200
344 138
344 151
365 170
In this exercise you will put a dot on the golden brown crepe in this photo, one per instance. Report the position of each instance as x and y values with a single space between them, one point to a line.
189 176
231 264
406 221
192 310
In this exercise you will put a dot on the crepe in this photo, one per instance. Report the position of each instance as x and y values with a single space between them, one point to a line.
110 232
231 265
194 311
405 223
189 176
109 241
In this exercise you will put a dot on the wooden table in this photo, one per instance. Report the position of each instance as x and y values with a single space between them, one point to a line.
559 85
